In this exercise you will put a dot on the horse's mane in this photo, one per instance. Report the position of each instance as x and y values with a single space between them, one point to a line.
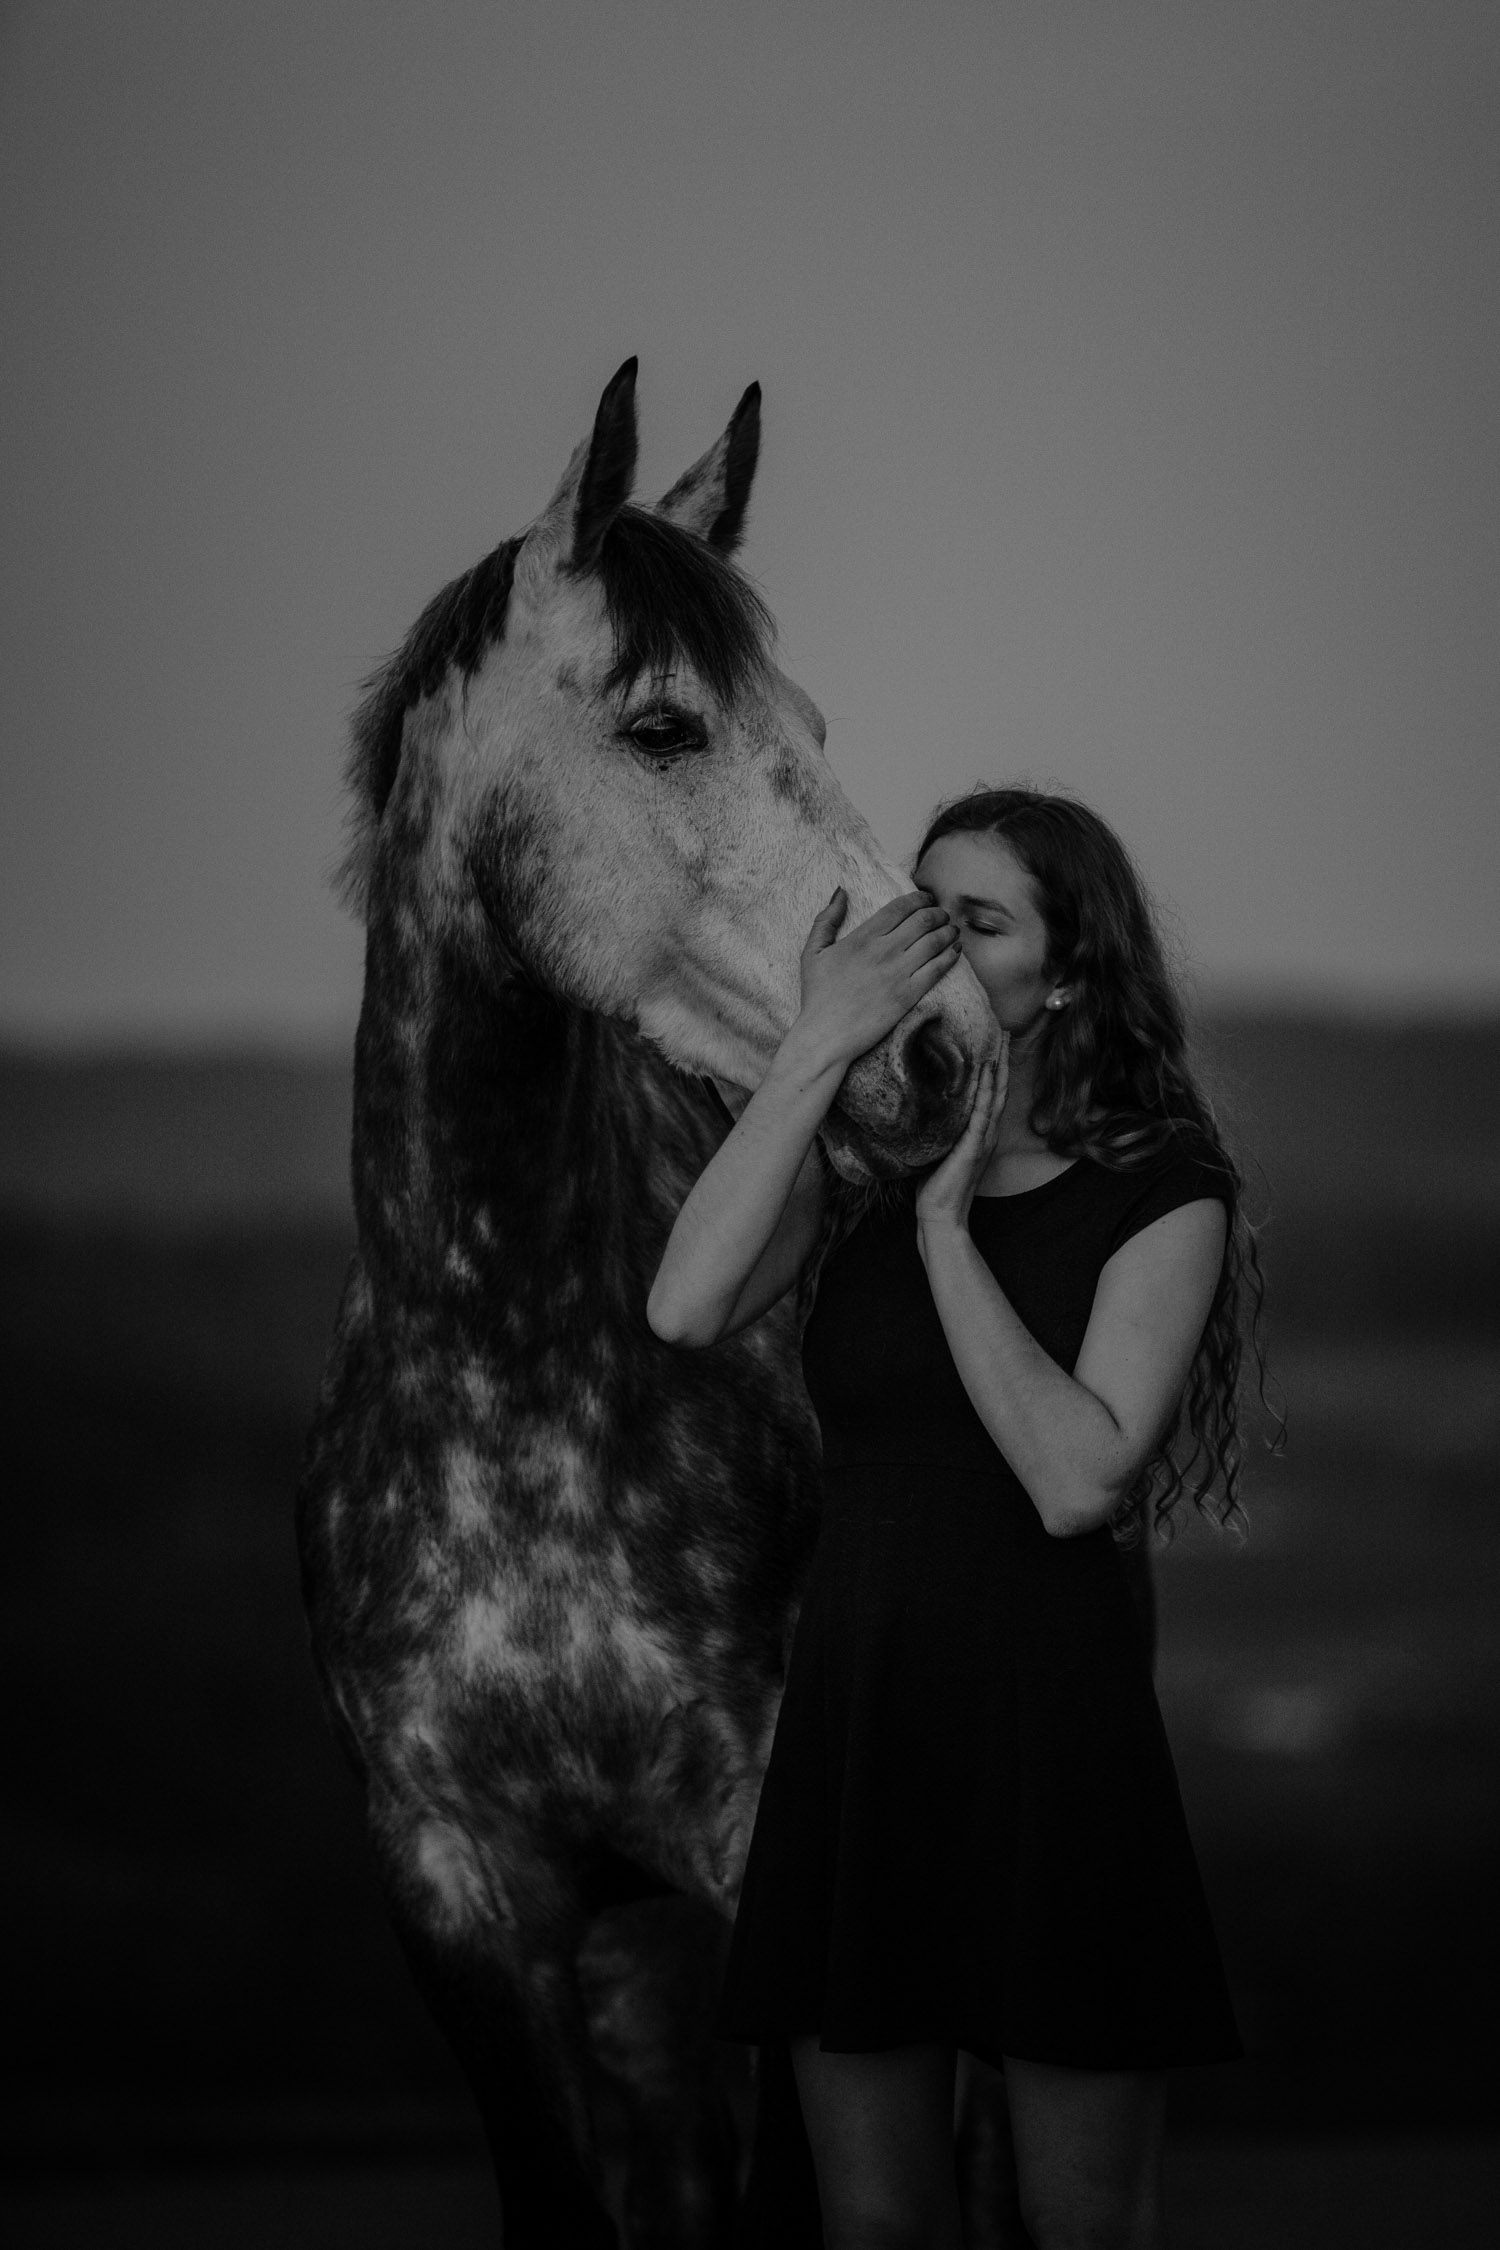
670 597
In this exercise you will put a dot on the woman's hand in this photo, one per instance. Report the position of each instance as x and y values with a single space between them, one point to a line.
856 990
945 1195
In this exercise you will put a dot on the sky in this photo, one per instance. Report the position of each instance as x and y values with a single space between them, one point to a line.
1129 407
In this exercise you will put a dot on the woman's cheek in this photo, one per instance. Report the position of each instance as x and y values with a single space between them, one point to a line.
1015 1000
1003 998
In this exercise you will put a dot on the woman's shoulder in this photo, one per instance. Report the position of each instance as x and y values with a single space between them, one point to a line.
1187 1167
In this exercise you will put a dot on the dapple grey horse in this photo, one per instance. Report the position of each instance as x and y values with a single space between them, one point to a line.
552 1565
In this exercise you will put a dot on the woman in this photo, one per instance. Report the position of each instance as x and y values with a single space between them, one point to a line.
970 1834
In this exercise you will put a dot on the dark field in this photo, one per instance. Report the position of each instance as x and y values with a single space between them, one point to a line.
211 2036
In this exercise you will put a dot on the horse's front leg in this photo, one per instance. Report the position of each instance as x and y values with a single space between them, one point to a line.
489 1927
650 1973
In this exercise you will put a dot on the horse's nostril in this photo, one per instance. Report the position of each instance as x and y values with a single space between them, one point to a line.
935 1063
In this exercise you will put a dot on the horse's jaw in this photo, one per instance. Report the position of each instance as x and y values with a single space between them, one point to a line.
846 1153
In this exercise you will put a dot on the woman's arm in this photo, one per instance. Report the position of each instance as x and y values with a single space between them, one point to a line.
752 1216
747 1227
1078 1442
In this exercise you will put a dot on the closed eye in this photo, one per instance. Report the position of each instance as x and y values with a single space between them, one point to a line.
666 732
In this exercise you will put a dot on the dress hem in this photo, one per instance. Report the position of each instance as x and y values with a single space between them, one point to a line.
1177 2057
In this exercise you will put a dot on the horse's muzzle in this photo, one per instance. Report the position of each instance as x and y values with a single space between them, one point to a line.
903 1105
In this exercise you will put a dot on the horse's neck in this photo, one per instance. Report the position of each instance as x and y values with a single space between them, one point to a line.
503 1138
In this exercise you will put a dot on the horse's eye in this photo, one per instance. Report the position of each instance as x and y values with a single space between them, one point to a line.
666 733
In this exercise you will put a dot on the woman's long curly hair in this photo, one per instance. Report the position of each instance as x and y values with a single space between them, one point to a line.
1113 1083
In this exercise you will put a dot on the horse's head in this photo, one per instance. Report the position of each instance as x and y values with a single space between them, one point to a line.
609 789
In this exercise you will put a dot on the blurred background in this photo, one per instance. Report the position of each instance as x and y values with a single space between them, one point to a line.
1129 426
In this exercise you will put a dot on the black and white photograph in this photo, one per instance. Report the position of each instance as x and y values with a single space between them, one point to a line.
750 1124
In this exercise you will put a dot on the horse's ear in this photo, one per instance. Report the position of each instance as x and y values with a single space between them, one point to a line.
711 498
595 487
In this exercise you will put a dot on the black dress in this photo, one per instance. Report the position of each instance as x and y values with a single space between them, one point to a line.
970 1828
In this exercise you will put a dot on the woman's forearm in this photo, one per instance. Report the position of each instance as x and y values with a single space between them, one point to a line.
738 1200
1063 1442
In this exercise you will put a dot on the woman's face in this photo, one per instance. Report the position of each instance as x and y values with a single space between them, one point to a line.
988 893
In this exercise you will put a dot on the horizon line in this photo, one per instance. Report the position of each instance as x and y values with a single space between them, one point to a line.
315 1045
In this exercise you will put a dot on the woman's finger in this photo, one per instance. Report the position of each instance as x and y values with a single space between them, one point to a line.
979 1104
928 973
896 912
929 923
827 919
933 941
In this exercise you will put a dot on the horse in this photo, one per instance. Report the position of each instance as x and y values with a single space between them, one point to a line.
551 1564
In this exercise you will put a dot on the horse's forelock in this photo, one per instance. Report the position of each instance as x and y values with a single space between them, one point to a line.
670 596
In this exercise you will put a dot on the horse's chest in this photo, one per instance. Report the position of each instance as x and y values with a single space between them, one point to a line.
561 1592
568 1617
540 1606
559 1691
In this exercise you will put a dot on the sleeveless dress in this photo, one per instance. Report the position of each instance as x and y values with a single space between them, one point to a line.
970 1829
